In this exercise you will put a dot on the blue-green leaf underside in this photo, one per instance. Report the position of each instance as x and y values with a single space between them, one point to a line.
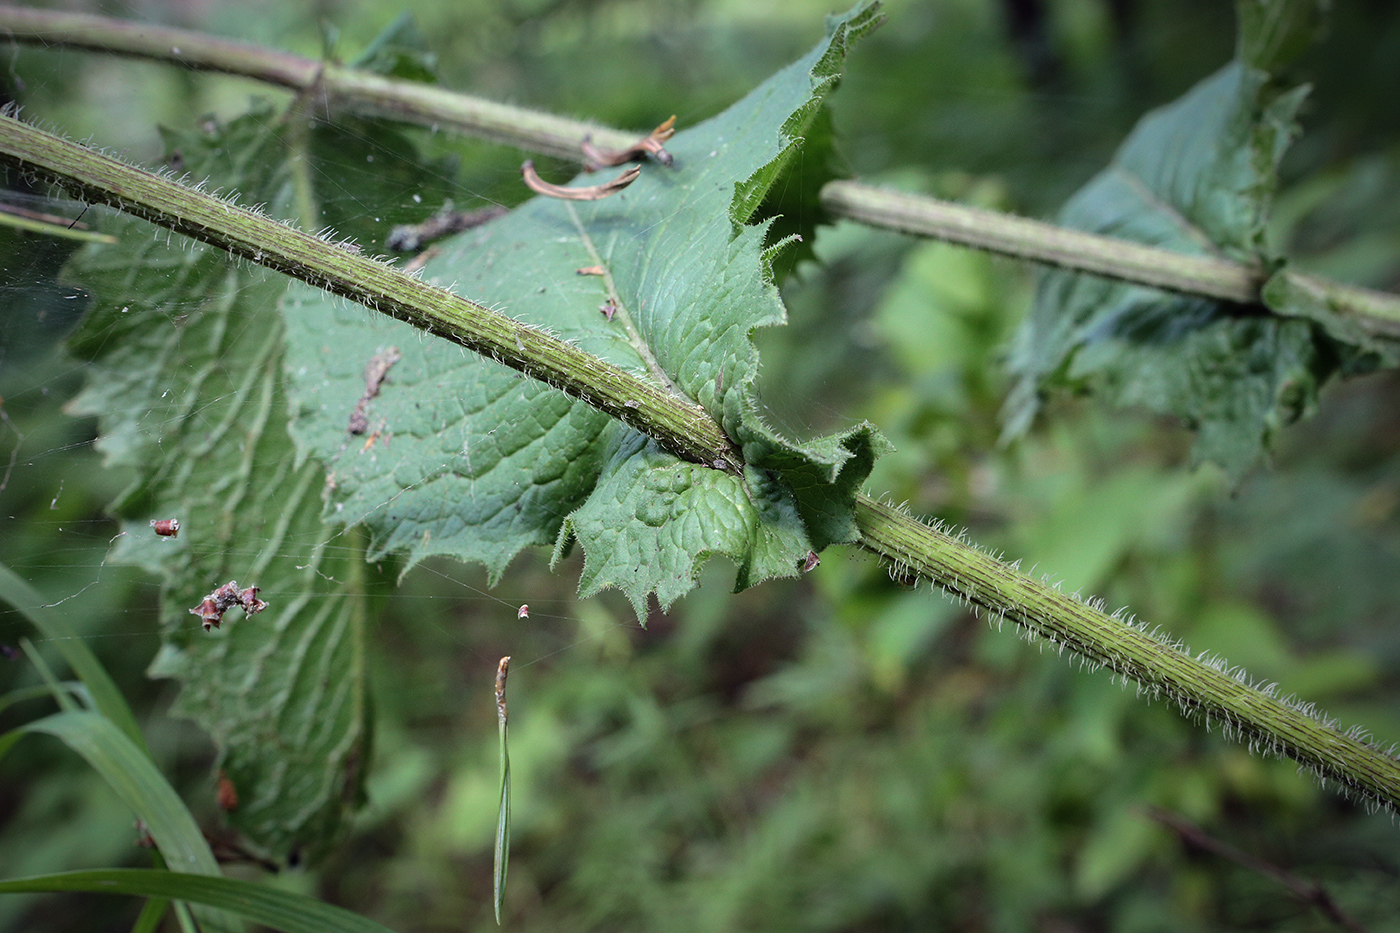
186 349
1195 177
466 458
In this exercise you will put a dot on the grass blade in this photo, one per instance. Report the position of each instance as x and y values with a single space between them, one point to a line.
60 696
152 913
35 692
54 627
503 816
271 907
129 771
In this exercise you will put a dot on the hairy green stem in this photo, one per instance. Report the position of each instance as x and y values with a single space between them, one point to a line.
335 86
1374 313
961 569
1042 242
677 424
1161 669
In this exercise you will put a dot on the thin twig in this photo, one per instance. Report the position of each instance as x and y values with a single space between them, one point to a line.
1310 892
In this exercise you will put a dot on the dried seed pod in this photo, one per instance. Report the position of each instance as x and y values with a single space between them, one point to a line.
166 527
502 669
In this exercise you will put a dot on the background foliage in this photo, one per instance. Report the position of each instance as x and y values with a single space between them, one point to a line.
834 752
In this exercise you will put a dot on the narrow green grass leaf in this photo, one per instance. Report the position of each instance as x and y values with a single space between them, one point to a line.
33 693
51 683
152 913
280 910
9 219
53 626
129 771
503 816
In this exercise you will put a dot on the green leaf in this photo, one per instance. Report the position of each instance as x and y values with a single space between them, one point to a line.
1275 32
466 458
1194 176
280 910
129 771
400 51
186 349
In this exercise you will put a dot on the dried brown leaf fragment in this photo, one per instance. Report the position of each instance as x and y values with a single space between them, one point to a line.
651 144
589 193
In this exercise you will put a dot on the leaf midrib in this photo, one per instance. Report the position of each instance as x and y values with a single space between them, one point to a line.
622 313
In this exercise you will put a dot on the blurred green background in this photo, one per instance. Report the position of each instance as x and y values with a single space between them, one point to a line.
839 752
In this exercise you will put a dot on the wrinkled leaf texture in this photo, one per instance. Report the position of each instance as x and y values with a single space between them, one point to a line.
466 458
1196 177
185 348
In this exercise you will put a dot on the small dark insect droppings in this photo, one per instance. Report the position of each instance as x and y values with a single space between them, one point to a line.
226 794
811 562
166 527
225 598
375 372
523 612
589 193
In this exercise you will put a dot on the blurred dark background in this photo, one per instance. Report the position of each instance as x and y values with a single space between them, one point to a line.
835 753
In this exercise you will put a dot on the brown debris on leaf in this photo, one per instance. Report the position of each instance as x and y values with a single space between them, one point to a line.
649 145
590 270
375 372
212 610
590 193
405 238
